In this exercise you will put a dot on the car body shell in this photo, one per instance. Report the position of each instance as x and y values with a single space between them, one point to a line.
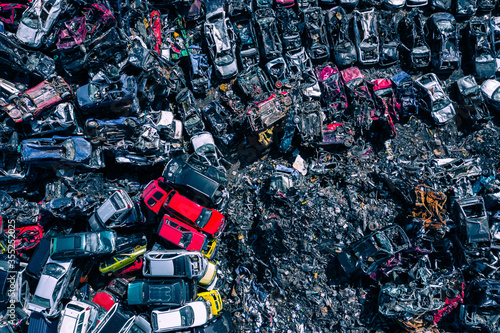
114 97
168 292
32 102
443 38
343 48
38 20
212 298
180 264
195 214
77 317
117 320
122 259
366 36
203 184
221 41
190 315
247 45
491 93
56 150
51 287
315 34
29 62
83 244
117 211
438 102
270 43
367 254
478 41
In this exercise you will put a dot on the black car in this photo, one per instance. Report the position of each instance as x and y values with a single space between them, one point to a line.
113 97
204 183
267 32
443 38
289 28
342 47
479 48
167 292
218 119
28 62
413 44
246 41
190 112
366 255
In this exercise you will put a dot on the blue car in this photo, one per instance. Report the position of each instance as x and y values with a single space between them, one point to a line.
111 131
113 97
64 150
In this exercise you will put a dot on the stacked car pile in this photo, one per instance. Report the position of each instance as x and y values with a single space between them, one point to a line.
351 190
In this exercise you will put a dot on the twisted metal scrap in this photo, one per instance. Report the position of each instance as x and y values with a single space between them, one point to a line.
429 206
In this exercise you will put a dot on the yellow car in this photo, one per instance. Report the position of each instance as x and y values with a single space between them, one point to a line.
210 251
213 299
121 260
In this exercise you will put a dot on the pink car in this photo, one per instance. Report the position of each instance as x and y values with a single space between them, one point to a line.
34 101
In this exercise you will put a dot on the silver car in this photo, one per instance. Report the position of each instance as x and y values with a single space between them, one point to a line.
438 103
38 20
221 41
51 287
181 264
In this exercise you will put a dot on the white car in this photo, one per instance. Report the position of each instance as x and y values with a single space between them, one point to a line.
491 92
190 315
51 287
181 264
438 103
38 20
78 317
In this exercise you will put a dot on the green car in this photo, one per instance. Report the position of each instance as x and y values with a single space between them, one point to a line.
167 292
122 259
83 244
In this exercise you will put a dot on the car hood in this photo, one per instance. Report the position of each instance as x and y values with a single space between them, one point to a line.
444 115
83 97
45 286
201 313
489 87
28 36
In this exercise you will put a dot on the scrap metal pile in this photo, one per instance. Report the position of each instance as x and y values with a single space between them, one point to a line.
249 166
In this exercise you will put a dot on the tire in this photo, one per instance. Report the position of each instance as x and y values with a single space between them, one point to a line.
349 142
92 124
130 124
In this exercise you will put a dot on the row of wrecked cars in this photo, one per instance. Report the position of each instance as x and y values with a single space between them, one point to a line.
118 87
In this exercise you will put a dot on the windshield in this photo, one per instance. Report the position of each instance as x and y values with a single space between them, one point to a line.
54 270
94 93
445 26
31 20
68 150
204 217
187 316
44 302
441 104
224 58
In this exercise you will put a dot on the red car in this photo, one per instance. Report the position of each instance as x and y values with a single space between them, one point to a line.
105 299
32 102
182 234
208 220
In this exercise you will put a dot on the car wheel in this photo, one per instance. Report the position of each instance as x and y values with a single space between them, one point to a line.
92 124
130 123
66 95
349 142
